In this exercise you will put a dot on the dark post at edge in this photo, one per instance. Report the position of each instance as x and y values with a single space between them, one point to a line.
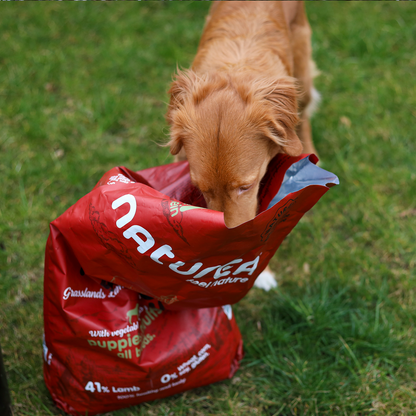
5 402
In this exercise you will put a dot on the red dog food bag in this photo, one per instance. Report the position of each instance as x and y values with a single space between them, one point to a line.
149 231
104 350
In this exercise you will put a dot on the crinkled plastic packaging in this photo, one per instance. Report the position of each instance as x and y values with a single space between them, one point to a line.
148 231
139 278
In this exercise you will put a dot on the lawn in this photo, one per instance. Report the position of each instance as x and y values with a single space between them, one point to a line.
83 89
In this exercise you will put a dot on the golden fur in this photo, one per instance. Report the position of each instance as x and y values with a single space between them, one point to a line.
243 101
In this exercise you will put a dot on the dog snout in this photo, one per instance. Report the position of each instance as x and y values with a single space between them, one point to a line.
235 212
238 215
231 222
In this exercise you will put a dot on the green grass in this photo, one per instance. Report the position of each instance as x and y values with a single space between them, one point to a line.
83 88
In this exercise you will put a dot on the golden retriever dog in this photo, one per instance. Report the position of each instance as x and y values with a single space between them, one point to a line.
246 98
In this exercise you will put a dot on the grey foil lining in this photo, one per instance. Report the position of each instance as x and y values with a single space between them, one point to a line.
302 174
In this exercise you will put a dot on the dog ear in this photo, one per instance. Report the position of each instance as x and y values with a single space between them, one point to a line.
285 137
180 89
293 146
280 97
175 145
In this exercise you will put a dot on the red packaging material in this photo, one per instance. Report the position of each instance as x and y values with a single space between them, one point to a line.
104 351
146 231
125 264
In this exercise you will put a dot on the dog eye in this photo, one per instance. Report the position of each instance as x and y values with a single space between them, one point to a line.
244 188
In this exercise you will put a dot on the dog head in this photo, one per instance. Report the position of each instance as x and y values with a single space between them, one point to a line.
230 129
